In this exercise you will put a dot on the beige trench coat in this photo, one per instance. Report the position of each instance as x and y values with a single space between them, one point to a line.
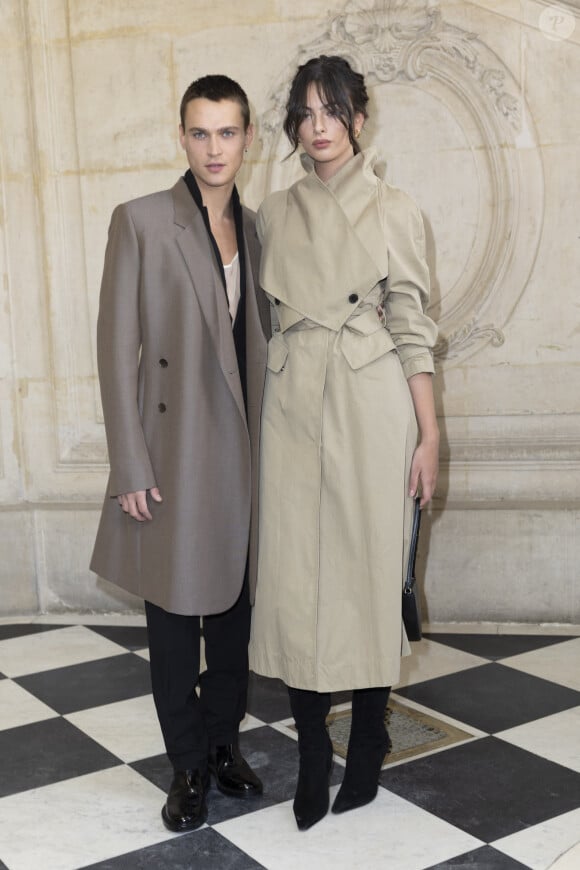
338 427
173 408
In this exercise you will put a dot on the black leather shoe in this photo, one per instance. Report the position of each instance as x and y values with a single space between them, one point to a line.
311 798
185 808
233 775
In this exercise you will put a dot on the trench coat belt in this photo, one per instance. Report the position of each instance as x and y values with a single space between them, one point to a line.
365 320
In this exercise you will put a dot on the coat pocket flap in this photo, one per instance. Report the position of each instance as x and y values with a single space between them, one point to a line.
277 353
360 350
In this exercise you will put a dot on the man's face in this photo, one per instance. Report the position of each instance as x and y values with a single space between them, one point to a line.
214 140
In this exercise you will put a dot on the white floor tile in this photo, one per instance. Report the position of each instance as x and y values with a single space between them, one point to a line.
54 649
540 845
559 662
431 659
81 821
248 723
390 832
128 729
570 860
19 707
555 737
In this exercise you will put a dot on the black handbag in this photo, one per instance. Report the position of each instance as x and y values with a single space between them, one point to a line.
411 603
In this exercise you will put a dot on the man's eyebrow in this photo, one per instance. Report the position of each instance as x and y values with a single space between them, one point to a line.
219 130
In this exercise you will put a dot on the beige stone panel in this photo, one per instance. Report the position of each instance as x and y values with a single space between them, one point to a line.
503 388
88 19
124 102
545 326
47 20
66 536
430 155
10 29
18 579
503 566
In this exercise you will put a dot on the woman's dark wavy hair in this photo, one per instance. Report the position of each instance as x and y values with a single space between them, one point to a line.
339 87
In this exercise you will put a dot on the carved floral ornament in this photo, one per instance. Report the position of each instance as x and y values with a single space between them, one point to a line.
407 41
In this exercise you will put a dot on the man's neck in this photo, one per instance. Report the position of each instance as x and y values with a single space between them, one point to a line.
217 200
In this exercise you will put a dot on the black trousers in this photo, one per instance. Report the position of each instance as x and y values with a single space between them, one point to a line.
191 725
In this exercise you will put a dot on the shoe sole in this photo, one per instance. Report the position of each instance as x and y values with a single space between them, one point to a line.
244 795
176 828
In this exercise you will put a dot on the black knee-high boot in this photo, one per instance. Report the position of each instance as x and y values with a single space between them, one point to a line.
367 746
310 710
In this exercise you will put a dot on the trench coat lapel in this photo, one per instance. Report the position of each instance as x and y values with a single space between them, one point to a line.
197 252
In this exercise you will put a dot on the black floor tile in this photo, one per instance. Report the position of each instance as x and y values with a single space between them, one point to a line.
487 787
92 684
205 849
36 755
485 858
492 697
272 756
10 630
268 699
496 646
132 637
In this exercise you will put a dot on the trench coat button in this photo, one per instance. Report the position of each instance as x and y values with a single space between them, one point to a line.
353 298
276 301
163 363
162 407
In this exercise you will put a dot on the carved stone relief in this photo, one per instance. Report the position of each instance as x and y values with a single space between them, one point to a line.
406 44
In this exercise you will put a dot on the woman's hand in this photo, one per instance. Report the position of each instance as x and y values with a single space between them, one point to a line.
424 468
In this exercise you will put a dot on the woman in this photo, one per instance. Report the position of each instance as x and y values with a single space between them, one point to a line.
348 380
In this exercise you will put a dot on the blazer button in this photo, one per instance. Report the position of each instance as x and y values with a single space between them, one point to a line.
163 363
276 301
162 407
353 298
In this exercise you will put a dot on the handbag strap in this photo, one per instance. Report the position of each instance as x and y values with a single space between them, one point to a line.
410 579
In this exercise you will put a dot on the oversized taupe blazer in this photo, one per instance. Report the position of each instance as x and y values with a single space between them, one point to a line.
174 410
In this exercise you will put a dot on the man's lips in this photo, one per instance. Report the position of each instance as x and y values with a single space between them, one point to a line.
215 167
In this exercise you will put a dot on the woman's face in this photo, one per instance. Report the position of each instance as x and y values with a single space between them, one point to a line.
323 135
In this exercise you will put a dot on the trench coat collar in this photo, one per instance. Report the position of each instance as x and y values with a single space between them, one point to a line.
335 231
197 251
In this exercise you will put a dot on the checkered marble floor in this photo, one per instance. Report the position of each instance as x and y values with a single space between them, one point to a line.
83 773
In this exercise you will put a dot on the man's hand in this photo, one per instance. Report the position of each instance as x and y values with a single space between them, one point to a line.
135 503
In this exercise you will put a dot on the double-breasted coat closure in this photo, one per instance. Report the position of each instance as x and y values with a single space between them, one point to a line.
343 264
174 409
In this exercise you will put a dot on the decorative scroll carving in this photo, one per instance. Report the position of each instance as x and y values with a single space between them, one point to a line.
409 41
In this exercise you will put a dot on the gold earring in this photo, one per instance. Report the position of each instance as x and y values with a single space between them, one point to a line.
356 134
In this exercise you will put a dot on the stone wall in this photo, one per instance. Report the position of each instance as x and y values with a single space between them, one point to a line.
474 110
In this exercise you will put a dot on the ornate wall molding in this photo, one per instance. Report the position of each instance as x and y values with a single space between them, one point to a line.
408 42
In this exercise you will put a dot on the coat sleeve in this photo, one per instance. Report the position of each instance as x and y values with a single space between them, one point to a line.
118 348
412 330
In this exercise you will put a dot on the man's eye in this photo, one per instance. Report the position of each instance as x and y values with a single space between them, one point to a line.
199 134
228 133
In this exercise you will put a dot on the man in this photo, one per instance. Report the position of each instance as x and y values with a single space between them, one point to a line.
181 356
